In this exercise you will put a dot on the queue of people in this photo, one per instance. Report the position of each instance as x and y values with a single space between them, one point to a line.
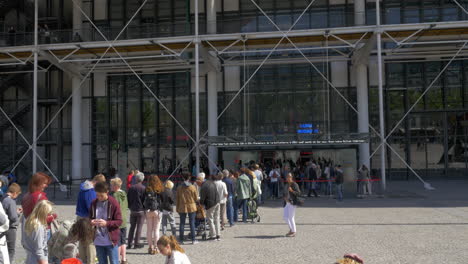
101 232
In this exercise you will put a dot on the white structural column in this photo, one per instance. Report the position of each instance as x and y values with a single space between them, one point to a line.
362 90
381 103
212 89
77 19
76 104
211 16
76 130
213 116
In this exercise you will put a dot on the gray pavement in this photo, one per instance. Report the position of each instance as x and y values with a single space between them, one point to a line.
408 225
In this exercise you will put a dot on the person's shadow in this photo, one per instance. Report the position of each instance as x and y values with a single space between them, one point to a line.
260 237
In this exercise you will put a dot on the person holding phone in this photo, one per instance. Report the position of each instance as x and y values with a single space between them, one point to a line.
106 217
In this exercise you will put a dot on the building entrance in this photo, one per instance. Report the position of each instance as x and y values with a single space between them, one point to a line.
346 157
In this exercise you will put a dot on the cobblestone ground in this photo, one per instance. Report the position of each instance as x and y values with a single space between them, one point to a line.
408 225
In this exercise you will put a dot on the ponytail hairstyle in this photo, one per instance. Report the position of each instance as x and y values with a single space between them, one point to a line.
172 242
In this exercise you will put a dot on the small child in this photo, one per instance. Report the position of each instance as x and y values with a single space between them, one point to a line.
121 197
167 206
83 232
13 213
169 247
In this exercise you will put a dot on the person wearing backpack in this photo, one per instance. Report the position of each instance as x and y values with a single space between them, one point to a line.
9 205
121 198
152 204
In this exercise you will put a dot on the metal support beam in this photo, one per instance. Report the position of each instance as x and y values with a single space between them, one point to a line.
381 100
73 71
197 92
35 95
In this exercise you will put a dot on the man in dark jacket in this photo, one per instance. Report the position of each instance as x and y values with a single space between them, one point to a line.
339 182
136 197
210 199
311 169
106 217
229 203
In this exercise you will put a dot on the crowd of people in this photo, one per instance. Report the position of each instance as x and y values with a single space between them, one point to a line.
109 220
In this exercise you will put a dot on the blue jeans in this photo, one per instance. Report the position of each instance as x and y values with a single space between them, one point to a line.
230 210
107 254
243 204
235 208
191 217
339 191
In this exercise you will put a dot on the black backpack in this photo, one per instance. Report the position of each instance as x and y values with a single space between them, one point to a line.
152 201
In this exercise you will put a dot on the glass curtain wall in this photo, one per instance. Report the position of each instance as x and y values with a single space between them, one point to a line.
322 14
417 11
282 99
132 130
432 139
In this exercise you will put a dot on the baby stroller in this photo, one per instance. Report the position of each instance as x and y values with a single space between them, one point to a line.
201 220
252 210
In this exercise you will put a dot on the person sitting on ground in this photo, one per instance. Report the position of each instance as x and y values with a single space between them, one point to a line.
169 247
350 259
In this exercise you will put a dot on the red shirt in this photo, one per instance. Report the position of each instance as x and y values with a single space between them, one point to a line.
129 180
29 202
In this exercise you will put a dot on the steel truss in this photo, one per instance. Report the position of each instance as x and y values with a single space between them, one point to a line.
409 41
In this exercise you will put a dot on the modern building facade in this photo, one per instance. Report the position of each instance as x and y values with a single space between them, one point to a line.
277 79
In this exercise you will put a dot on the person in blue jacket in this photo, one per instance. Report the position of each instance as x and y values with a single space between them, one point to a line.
87 195
85 198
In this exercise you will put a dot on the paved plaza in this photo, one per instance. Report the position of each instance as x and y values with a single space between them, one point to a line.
408 225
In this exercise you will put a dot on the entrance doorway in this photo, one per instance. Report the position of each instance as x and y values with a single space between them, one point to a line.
346 157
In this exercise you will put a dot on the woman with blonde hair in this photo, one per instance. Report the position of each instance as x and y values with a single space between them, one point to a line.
169 247
34 234
152 206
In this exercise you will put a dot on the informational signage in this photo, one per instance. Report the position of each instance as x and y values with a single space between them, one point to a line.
308 129
288 143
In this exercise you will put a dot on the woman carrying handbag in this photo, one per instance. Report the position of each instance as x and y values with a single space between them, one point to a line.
292 199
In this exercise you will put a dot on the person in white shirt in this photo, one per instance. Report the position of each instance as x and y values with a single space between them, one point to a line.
223 194
259 175
275 176
169 247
